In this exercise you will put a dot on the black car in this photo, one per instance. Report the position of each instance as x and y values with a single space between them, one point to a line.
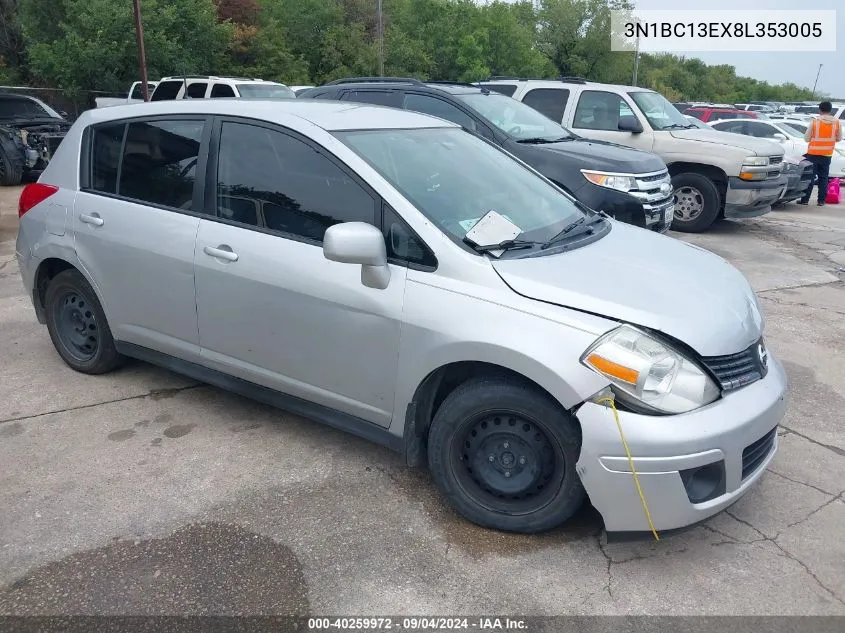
631 185
30 133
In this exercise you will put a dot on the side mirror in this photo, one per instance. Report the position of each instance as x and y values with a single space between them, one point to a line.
630 124
359 243
780 137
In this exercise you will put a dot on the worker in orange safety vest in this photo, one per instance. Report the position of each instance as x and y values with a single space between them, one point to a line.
822 135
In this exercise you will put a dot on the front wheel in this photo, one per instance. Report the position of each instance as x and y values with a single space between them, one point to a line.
503 454
697 202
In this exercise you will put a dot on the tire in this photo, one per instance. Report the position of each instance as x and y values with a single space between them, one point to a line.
11 163
697 202
78 326
525 433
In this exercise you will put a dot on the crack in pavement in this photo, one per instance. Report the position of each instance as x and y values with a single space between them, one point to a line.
153 393
821 507
803 483
784 302
607 587
784 552
830 447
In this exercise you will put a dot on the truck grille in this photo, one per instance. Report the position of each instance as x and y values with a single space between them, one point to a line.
738 370
754 454
776 166
657 197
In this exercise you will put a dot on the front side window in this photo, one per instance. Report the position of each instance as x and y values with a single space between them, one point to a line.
548 101
272 180
502 89
160 162
599 110
439 108
138 90
760 130
521 122
455 178
735 127
661 114
265 91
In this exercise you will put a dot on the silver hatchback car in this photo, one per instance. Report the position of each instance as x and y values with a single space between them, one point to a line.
391 275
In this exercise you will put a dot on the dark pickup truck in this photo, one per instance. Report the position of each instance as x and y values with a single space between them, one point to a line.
30 133
631 185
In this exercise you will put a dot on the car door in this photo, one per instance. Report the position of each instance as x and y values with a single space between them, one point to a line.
134 227
272 309
597 114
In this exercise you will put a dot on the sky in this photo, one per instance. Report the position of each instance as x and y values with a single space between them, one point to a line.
776 68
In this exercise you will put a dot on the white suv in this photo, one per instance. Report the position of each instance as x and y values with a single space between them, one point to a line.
204 86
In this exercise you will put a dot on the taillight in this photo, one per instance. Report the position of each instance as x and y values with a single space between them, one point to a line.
33 194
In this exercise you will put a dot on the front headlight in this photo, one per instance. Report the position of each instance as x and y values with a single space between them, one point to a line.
756 161
620 183
650 372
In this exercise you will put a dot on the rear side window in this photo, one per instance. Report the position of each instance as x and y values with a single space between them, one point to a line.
197 90
160 162
221 91
548 101
392 99
166 90
272 180
105 157
500 88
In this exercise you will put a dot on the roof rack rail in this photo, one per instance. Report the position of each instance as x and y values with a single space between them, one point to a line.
446 82
498 77
357 80
573 80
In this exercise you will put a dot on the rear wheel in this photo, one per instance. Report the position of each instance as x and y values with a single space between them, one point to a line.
78 326
11 163
503 454
697 202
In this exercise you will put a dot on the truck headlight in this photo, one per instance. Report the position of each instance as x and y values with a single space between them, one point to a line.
618 182
650 373
756 161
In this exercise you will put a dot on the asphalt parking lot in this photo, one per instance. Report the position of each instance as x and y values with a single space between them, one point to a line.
140 492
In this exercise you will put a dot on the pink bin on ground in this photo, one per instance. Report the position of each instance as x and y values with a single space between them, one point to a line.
832 191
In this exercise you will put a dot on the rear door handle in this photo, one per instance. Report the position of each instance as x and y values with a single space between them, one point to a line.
94 219
224 252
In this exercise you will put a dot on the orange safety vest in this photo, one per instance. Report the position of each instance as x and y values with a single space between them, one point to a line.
823 135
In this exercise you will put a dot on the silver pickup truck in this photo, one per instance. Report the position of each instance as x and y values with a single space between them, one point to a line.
714 174
135 96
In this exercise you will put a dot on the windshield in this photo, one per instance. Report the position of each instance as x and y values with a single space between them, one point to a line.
265 91
24 108
791 131
794 125
513 117
455 178
661 114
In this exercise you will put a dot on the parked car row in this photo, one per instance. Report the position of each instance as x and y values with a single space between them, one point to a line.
391 275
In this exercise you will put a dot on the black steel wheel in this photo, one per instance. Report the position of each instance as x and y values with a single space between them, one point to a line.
78 326
503 453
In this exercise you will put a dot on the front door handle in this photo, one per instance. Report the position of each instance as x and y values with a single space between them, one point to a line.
94 219
224 252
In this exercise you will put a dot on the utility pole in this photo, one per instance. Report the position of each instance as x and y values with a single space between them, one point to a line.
817 81
380 41
142 56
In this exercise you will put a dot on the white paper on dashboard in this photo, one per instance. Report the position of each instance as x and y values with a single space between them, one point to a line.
493 228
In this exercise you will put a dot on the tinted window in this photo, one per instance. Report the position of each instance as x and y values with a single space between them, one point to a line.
760 130
11 107
513 117
402 243
269 179
166 90
715 116
439 108
599 110
548 101
137 91
160 162
105 157
501 89
197 90
698 114
219 91
737 127
376 97
265 91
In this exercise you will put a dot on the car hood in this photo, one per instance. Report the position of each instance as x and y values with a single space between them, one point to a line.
760 146
604 156
642 278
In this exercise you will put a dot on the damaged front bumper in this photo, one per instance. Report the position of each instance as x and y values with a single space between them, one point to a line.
690 466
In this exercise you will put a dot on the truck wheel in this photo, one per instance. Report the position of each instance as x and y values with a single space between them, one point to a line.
503 455
697 202
11 163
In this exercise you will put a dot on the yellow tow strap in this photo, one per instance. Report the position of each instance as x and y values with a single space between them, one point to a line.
612 405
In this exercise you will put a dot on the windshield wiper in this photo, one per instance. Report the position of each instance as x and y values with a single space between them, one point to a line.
507 245
678 126
598 217
536 140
